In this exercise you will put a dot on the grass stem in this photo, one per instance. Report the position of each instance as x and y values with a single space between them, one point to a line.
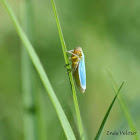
64 49
107 114
124 107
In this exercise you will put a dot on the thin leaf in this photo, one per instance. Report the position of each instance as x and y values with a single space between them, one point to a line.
107 115
62 117
124 107
70 74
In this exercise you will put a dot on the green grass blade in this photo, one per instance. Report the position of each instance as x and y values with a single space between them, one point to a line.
70 74
124 107
107 114
63 119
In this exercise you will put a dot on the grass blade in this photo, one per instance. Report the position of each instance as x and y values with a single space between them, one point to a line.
107 114
124 107
61 115
70 74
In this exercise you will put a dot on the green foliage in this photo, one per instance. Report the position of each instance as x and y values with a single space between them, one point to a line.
63 119
107 114
124 108
108 33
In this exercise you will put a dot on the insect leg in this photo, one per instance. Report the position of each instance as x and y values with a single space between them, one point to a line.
74 69
69 70
72 53
71 50
67 65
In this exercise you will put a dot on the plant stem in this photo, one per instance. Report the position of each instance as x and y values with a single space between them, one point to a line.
64 49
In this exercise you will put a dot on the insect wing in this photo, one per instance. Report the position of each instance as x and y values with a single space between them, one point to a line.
82 72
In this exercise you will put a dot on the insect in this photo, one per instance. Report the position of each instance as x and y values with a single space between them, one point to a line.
78 68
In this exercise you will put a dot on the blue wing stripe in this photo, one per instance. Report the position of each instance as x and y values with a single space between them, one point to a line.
82 72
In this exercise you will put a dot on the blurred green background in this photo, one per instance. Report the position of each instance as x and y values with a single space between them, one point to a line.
109 33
